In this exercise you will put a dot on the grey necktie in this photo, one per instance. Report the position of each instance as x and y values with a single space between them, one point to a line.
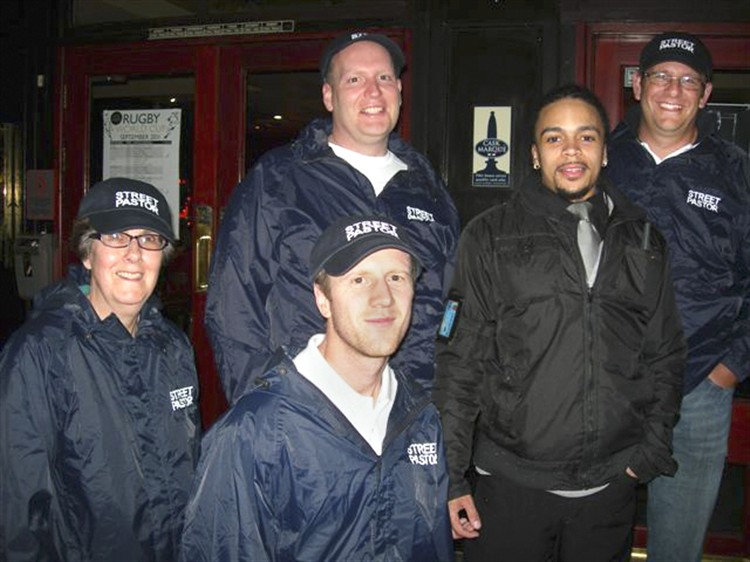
589 241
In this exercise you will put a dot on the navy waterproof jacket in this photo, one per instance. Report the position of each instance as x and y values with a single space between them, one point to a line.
285 476
700 201
259 295
99 433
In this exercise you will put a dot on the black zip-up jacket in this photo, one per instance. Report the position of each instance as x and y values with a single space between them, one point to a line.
700 201
99 433
546 382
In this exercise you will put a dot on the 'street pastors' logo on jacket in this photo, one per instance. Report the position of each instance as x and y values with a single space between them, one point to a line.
135 199
703 201
415 214
181 397
423 453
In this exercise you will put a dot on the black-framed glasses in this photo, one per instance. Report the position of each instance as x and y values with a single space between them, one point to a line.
664 79
146 241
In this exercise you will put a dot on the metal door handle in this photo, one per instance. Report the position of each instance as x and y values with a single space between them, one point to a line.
203 246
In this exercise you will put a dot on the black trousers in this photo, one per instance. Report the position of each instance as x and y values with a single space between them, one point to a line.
526 525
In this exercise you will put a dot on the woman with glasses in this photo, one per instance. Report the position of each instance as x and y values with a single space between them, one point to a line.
99 428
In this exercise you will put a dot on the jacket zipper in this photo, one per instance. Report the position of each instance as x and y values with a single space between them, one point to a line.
588 386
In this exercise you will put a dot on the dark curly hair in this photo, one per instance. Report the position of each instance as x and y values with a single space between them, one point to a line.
576 92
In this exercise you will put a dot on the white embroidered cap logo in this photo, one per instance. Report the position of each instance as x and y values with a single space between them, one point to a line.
181 397
423 453
703 201
676 43
366 227
135 199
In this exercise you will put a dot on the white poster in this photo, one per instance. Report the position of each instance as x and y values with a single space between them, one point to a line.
144 144
491 162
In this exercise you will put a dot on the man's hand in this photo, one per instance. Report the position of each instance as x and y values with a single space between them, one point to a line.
723 377
465 522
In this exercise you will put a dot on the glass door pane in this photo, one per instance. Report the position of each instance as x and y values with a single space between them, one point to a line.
109 93
279 105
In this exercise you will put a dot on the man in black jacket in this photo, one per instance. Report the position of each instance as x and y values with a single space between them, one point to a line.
559 370
695 187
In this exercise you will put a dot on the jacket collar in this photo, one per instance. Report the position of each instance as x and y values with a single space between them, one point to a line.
312 142
541 201
281 378
69 295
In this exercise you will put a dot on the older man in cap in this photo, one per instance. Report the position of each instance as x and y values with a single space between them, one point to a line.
695 187
258 296
333 454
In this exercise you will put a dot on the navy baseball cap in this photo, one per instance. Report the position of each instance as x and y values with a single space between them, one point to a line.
118 204
678 47
343 41
349 240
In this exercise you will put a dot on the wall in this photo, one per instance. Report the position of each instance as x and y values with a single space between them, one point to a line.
464 53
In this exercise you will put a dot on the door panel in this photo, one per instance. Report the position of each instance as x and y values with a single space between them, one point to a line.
274 120
154 92
480 52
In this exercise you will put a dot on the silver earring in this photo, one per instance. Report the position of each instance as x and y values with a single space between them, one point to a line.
536 165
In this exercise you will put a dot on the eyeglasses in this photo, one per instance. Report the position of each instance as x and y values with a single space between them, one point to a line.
664 79
148 241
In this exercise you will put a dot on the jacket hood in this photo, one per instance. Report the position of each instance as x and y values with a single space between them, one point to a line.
70 296
67 293
410 397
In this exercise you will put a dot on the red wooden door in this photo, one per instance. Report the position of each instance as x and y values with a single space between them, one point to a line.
139 76
240 96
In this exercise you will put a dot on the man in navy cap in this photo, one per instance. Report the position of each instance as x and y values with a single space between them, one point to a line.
333 454
695 187
258 295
